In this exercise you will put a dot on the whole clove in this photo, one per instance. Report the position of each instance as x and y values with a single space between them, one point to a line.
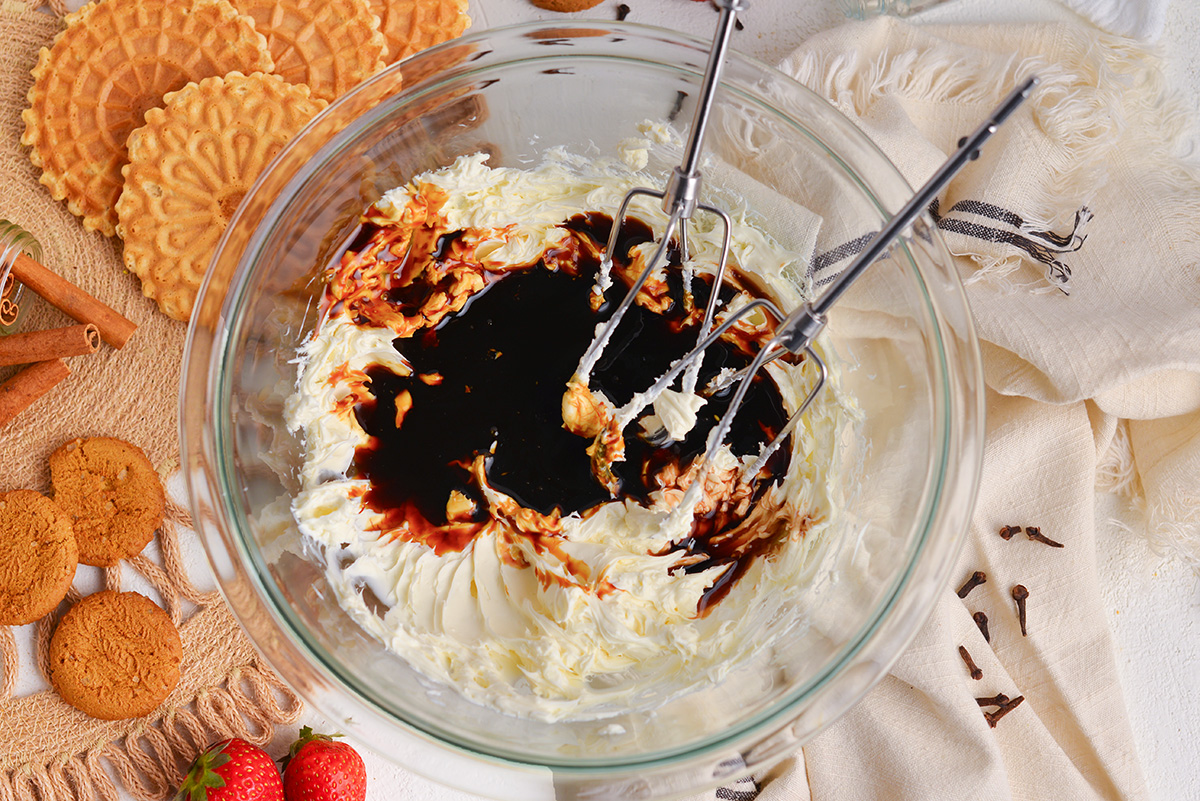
995 700
981 621
1008 532
1034 533
737 23
976 673
977 578
1005 708
1019 594
622 12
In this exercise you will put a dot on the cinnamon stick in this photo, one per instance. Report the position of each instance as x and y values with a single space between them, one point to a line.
114 329
53 343
19 392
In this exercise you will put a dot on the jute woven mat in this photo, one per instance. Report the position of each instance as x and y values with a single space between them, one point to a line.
48 750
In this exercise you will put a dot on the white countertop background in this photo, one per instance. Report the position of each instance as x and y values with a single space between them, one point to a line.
1153 603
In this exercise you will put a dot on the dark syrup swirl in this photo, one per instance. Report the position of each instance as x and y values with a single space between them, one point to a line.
504 362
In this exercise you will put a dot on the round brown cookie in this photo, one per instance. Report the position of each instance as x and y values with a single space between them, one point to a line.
112 494
115 655
37 556
565 6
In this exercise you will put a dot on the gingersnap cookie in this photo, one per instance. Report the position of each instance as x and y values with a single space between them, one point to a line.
189 167
113 62
112 495
115 655
565 6
37 556
329 45
410 26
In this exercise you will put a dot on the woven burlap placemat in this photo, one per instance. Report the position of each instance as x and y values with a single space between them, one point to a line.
49 750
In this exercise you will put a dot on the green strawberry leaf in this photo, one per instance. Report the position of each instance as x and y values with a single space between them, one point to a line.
307 735
202 775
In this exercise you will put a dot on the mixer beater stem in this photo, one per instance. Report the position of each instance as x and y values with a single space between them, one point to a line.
795 332
680 200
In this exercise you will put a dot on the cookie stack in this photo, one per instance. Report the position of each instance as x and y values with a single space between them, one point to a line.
153 118
114 654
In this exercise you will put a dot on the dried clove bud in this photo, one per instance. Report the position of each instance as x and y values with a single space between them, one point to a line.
1005 708
1034 533
737 23
995 700
622 12
1008 532
1019 594
977 578
976 673
981 621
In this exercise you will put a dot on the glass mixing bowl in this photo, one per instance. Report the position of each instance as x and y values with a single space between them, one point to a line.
902 338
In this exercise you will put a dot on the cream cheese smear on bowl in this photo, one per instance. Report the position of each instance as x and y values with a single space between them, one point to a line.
461 521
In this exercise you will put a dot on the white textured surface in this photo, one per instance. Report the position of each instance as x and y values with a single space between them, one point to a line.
1153 606
1153 603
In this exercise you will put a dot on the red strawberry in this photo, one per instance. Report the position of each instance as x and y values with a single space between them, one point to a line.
232 770
319 769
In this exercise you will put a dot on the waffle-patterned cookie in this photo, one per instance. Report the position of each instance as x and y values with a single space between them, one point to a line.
330 45
112 63
189 168
410 26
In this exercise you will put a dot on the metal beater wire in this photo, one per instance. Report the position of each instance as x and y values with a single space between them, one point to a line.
796 331
680 200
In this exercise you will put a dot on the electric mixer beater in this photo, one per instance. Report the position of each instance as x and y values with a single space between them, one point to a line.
794 333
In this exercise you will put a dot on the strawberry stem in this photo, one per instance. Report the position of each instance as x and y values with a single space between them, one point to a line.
307 735
202 775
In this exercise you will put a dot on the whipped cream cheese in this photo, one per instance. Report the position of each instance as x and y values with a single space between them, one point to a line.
559 613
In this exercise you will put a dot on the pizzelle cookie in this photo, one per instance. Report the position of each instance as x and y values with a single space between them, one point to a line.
111 492
114 61
115 655
329 45
410 26
37 556
189 168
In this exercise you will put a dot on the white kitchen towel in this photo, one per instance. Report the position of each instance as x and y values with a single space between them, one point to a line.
1077 233
1136 19
921 734
1077 236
